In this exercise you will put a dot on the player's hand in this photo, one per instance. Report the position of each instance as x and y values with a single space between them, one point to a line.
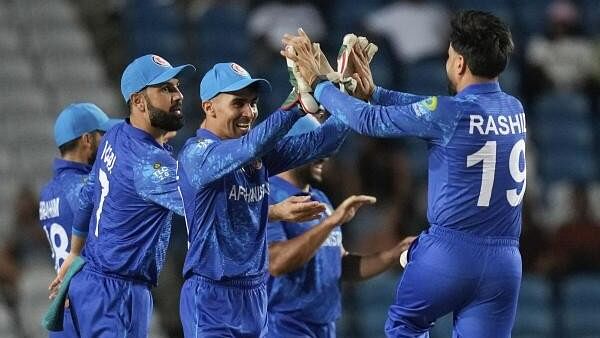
55 284
296 209
403 245
346 211
365 86
302 54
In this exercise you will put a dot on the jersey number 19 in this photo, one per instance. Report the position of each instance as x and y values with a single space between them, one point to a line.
487 154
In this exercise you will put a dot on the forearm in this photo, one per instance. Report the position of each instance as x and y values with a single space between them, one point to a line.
77 244
290 255
358 268
274 215
362 117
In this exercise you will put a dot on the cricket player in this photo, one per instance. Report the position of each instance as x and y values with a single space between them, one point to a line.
468 261
77 133
307 259
127 207
224 174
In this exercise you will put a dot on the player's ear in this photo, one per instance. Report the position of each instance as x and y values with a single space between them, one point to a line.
137 100
461 64
208 107
87 139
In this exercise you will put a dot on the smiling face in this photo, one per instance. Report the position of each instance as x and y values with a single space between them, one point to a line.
231 115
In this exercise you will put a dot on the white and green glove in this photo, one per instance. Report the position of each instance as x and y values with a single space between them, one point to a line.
347 83
301 91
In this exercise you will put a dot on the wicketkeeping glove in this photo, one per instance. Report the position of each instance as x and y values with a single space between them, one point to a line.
347 83
301 91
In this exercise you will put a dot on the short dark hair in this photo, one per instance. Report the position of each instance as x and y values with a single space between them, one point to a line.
483 40
69 146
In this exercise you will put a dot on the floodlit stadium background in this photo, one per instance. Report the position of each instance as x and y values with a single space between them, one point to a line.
53 53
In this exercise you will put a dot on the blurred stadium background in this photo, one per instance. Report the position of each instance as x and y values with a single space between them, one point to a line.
56 52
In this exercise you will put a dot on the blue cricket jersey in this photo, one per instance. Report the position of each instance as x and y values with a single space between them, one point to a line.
224 184
59 202
476 143
128 204
311 293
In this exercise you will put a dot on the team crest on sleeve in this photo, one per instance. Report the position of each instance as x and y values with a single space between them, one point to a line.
160 61
239 69
160 172
426 106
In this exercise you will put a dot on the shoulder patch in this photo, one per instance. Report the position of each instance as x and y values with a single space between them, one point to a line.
426 106
431 103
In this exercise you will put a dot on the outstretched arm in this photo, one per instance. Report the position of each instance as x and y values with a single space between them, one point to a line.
296 209
294 151
357 267
209 160
287 256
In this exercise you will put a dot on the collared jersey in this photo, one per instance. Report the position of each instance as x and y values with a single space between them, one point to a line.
129 201
476 143
311 293
224 184
59 201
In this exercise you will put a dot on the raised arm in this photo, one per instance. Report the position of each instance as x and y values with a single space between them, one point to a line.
295 151
428 119
385 97
209 160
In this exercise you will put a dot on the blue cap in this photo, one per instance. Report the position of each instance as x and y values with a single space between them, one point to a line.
146 71
78 119
303 125
228 77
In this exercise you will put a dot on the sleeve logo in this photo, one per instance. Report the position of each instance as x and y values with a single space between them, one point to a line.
425 106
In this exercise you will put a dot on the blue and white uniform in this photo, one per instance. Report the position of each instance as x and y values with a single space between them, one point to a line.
305 302
468 261
225 188
59 201
127 206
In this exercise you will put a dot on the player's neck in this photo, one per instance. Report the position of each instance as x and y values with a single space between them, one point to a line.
144 124
76 155
292 179
470 79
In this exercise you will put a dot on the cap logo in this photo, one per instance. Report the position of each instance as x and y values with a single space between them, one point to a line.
160 61
239 70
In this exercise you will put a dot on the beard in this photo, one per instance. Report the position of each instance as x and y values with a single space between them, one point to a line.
165 120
